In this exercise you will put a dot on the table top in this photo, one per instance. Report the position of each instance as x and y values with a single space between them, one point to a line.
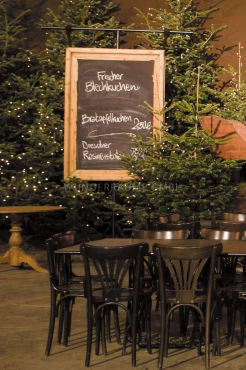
232 247
29 209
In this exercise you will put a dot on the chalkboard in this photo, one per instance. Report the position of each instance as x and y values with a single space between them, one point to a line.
104 97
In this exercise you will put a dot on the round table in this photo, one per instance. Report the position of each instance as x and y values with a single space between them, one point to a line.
15 256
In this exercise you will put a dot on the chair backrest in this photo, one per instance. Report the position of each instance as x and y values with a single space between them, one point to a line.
112 265
151 224
226 263
65 239
162 220
168 218
186 267
194 227
162 234
221 234
174 217
233 216
51 257
64 263
228 225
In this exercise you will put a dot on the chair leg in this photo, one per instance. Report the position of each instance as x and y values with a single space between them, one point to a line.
207 347
134 322
232 308
89 338
108 322
183 317
162 336
60 324
126 335
148 324
67 322
116 323
216 318
216 347
51 324
108 310
242 321
166 340
98 325
103 329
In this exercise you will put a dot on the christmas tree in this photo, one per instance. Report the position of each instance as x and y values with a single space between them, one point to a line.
185 53
234 101
179 172
178 157
32 109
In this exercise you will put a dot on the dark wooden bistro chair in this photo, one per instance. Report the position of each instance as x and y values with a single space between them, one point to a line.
119 272
64 264
153 272
230 283
230 216
191 288
193 226
61 297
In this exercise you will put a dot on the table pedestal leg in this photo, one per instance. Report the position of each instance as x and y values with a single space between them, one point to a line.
15 255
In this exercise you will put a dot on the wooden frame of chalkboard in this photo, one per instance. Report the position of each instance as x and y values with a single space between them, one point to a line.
105 90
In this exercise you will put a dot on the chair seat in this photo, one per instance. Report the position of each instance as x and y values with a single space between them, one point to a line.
126 295
228 278
70 289
200 296
77 279
237 289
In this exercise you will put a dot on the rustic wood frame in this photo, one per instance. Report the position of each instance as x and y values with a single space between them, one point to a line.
70 126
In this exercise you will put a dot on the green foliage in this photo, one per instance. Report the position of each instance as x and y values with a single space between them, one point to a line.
32 110
177 171
177 174
185 53
86 202
234 106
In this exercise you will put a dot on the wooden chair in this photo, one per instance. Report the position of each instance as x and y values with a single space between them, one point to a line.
229 216
174 217
66 275
228 225
216 234
163 219
115 266
151 224
231 261
186 267
62 298
154 271
161 234
225 278
63 240
194 227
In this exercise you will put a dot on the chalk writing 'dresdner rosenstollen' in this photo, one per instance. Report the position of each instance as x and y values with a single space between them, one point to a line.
99 156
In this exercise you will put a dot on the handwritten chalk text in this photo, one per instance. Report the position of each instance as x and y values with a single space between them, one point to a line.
91 86
98 145
105 119
113 76
90 156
